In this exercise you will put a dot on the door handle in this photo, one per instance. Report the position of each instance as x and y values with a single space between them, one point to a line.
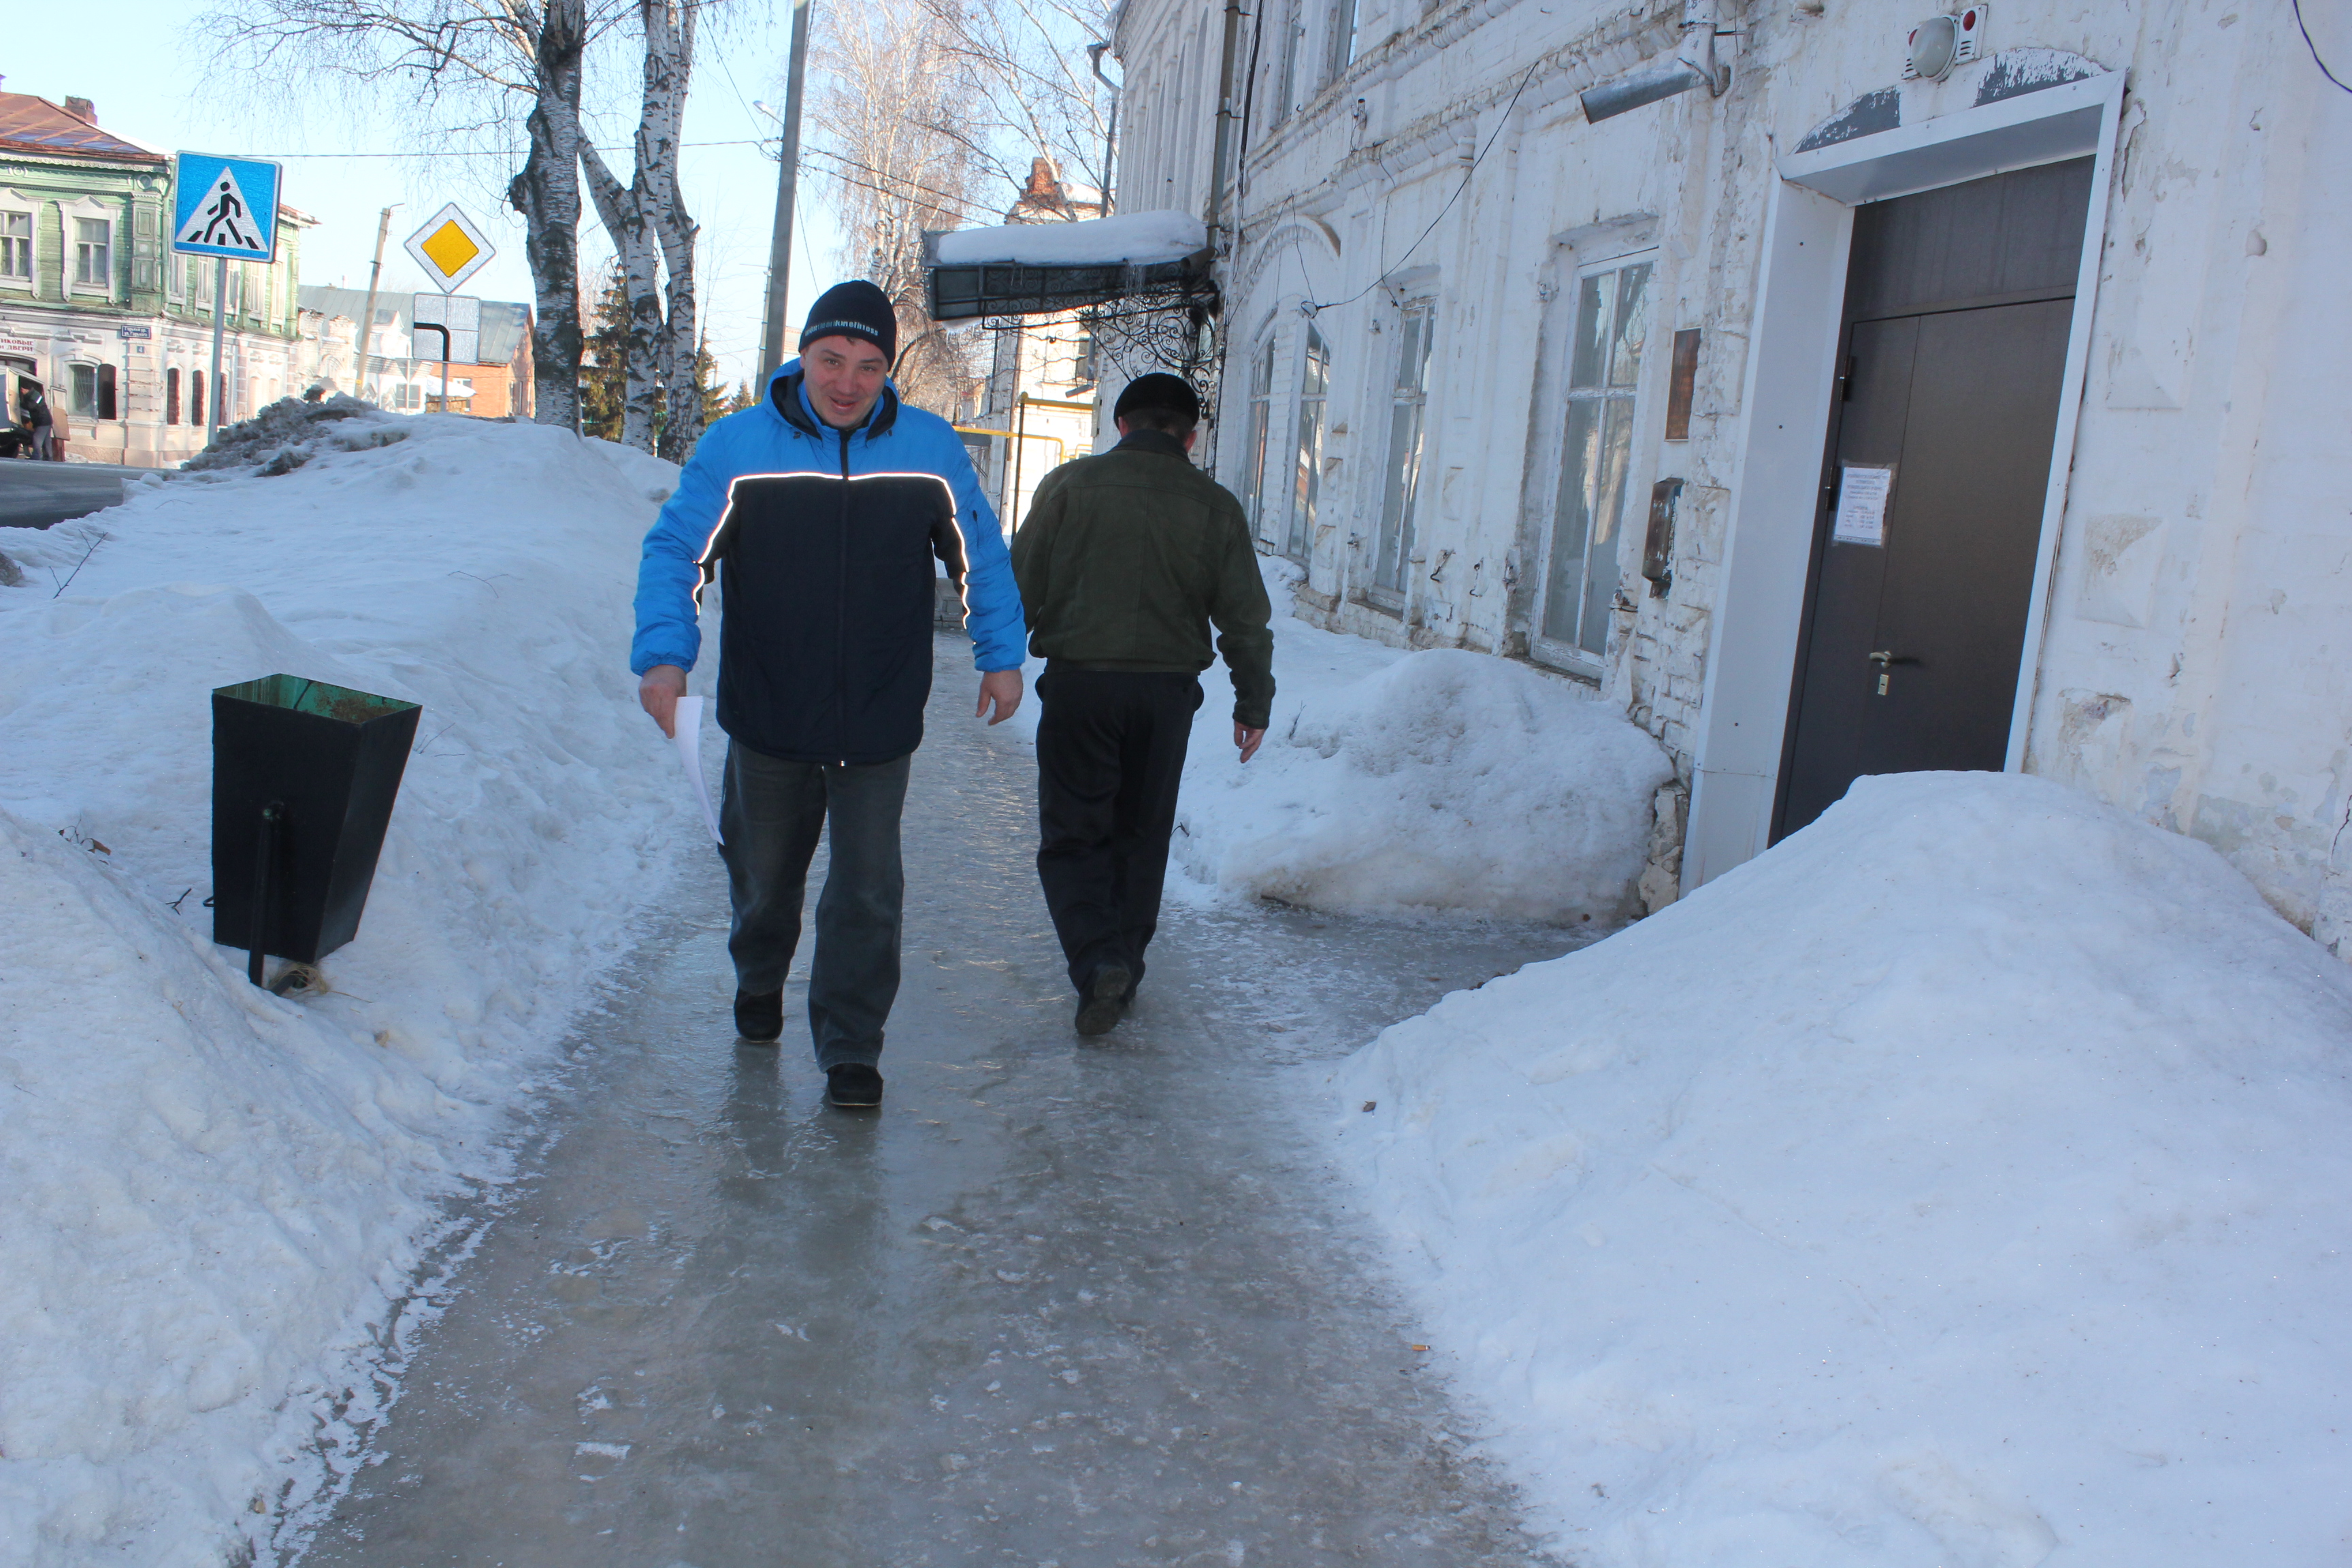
1887 660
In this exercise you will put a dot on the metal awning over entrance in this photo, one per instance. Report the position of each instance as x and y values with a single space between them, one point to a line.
1018 270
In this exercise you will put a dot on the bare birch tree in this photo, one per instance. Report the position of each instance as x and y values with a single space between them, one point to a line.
653 234
1029 88
892 143
473 62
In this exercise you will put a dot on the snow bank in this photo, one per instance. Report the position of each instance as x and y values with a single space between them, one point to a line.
1409 783
213 1191
1140 239
1961 1182
1440 780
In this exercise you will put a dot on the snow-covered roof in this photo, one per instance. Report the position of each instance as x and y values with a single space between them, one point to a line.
1134 239
31 124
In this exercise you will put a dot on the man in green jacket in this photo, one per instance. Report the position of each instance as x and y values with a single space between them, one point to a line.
1124 561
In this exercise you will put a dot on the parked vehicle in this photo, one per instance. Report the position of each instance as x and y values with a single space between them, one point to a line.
16 422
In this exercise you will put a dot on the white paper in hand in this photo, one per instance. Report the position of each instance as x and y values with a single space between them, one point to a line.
689 724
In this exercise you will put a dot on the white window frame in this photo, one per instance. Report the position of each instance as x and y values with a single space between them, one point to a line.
17 204
1605 535
70 216
1282 82
1306 445
1257 434
1397 396
1341 20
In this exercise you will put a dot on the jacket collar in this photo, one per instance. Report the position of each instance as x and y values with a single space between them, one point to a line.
788 395
1157 441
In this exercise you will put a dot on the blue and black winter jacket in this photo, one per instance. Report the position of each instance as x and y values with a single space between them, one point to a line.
823 541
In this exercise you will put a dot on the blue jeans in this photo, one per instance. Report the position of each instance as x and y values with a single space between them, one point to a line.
773 814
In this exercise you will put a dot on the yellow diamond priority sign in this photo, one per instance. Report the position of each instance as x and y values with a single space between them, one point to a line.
450 248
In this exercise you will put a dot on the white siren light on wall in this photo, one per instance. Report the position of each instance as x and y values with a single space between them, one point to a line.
1940 43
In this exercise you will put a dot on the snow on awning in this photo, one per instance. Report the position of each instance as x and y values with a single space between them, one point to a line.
1023 268
1137 239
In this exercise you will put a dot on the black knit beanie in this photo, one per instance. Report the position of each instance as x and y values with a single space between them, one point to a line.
855 309
1160 390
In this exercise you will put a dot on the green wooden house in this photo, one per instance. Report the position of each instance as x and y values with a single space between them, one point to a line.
95 304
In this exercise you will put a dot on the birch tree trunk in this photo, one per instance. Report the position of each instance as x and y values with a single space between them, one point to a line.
669 62
547 194
623 212
651 233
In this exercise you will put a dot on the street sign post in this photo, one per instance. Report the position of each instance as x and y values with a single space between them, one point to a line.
450 248
459 319
224 208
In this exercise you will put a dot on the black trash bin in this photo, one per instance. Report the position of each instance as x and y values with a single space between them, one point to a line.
304 775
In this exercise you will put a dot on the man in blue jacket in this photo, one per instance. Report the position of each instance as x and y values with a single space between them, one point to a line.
820 513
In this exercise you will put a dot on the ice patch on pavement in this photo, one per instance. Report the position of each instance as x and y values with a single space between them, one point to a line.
1957 1183
219 1198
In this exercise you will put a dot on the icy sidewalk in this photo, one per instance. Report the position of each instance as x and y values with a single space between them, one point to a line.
210 1189
1056 1304
1962 1182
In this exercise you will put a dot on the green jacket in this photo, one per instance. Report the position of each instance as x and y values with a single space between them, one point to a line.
1124 561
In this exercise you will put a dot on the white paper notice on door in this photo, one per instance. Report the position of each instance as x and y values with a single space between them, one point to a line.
1862 505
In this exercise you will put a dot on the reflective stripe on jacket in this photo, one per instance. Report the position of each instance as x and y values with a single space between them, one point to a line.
823 541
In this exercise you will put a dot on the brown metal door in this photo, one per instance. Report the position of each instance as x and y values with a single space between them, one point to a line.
1959 306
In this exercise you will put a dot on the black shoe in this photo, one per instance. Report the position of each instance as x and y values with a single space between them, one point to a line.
853 1086
759 1017
1105 997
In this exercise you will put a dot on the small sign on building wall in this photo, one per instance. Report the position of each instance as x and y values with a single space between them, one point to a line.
1863 492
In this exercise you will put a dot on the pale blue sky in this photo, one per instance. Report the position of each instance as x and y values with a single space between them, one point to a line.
135 60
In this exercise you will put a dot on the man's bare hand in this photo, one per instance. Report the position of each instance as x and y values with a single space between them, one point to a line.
1247 740
1000 688
659 689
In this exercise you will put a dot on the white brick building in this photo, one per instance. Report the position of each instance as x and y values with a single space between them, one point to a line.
2076 307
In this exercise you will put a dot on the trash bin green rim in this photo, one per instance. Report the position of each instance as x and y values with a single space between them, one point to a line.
318 697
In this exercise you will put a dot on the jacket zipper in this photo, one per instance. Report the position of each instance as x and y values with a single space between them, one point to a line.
841 611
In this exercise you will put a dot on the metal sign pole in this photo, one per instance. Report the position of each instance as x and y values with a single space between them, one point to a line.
212 420
416 326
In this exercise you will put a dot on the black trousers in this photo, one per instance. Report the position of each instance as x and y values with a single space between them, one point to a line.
1110 754
774 812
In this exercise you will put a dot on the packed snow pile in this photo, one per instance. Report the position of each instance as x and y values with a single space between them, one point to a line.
213 1191
1396 783
1133 240
1445 780
290 432
1959 1183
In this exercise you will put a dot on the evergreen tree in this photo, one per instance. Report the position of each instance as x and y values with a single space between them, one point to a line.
603 367
716 400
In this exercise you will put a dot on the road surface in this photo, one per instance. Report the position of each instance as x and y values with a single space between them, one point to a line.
35 495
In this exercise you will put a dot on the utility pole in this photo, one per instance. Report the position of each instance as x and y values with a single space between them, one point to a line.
780 238
367 317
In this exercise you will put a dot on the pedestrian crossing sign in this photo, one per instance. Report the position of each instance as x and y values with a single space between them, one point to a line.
225 207
450 248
